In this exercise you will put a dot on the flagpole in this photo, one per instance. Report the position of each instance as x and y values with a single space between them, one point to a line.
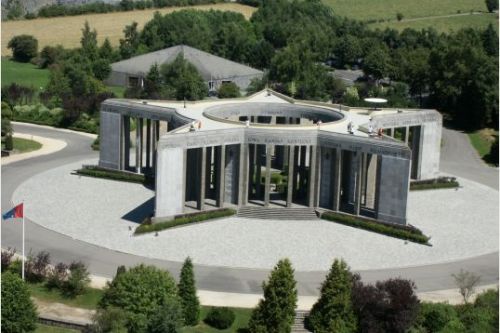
22 273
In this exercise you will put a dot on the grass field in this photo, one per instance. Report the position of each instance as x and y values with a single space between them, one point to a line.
25 145
241 321
88 300
387 9
482 140
66 31
25 74
52 329
444 24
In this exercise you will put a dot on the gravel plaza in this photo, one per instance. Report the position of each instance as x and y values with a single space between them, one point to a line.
462 224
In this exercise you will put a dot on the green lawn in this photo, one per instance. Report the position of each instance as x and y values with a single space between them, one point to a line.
387 9
25 145
119 91
447 24
241 321
482 140
89 300
23 73
41 328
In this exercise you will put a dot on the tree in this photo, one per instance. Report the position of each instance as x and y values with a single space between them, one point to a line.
78 279
130 42
51 55
490 41
153 83
18 311
492 5
183 80
389 306
88 42
229 90
111 319
348 50
106 51
139 291
377 63
101 68
24 47
333 312
187 294
466 283
436 316
168 318
275 313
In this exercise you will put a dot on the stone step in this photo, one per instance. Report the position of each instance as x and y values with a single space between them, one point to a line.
298 324
277 213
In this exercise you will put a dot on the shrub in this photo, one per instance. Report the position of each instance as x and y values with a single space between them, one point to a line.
110 319
78 279
9 142
492 5
7 258
407 233
168 317
139 292
436 183
229 90
220 318
18 311
95 171
435 316
24 47
399 16
37 267
184 219
16 267
57 276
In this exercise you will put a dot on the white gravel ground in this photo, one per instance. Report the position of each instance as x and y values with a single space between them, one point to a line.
463 223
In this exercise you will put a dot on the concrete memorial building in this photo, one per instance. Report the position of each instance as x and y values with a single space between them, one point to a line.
269 150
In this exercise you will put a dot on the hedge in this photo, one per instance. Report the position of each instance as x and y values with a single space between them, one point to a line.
407 233
147 226
436 183
97 172
220 318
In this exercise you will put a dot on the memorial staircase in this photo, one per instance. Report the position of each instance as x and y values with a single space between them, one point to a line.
272 213
298 324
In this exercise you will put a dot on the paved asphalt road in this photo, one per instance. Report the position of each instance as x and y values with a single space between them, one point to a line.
104 262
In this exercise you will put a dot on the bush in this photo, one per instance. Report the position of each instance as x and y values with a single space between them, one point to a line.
57 276
7 258
185 219
37 267
168 317
139 291
435 316
77 281
220 318
399 16
406 233
18 311
229 90
109 320
24 47
492 5
39 114
16 267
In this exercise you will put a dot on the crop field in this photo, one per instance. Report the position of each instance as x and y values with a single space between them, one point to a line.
387 9
66 31
443 24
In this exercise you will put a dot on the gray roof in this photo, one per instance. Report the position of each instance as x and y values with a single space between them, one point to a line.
208 65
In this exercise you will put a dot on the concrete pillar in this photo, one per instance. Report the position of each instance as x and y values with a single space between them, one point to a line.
407 134
258 158
371 181
359 177
125 159
170 195
200 203
337 179
302 177
295 167
138 145
243 175
220 175
251 170
311 193
267 187
154 144
148 143
289 193
317 181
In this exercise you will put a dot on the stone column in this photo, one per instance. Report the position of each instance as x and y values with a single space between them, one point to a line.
138 145
296 169
289 193
251 171
258 176
317 181
407 134
311 193
337 179
220 175
267 187
200 203
302 177
243 175
148 143
154 143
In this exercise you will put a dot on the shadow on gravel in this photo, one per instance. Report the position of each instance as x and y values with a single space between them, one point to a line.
142 211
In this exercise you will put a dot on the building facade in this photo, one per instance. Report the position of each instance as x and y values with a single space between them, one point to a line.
271 151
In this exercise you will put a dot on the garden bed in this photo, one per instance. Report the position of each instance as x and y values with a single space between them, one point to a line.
148 226
98 172
432 184
408 233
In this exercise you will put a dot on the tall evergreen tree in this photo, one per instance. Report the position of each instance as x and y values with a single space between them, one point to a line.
88 41
187 293
333 312
276 312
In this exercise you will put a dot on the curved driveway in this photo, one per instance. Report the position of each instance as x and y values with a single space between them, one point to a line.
103 262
